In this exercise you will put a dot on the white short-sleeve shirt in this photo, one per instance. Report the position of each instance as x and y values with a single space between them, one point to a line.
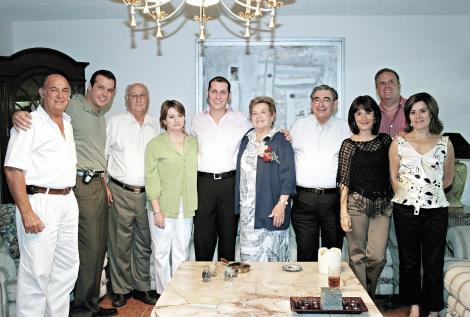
126 141
47 158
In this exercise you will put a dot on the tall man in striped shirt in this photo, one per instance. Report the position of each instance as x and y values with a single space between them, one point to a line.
387 85
392 105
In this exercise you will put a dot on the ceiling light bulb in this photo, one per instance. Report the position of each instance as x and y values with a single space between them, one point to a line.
197 3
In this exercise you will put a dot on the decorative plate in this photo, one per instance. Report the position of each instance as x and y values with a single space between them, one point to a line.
292 268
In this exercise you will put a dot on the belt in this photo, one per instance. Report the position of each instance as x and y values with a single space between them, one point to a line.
100 174
216 175
31 190
134 189
317 191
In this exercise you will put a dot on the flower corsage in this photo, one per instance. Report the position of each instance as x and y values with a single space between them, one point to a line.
267 154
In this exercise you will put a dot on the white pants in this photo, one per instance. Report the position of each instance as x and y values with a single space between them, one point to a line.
174 239
49 260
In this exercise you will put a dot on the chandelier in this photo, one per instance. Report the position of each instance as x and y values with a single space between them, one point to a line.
253 9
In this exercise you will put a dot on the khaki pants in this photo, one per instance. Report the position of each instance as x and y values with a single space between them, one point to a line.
129 241
367 243
92 242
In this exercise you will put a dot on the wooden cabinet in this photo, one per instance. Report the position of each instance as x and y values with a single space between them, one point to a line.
21 75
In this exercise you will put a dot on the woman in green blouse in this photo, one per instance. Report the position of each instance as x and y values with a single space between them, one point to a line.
170 183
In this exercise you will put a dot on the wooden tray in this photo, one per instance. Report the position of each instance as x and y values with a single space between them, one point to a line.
312 305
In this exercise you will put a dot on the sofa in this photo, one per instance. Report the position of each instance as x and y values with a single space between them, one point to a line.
457 272
9 259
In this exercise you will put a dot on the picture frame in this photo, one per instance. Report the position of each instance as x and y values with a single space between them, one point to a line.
285 69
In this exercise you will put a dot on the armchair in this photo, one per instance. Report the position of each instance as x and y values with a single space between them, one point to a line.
457 272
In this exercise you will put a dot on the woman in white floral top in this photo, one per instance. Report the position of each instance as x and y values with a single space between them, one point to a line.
421 167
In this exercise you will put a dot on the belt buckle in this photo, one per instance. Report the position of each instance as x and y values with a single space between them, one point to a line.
218 176
319 191
136 190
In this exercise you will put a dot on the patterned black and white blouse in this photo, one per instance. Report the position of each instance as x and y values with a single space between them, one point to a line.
420 176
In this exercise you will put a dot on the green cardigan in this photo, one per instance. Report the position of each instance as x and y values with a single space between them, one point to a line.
171 176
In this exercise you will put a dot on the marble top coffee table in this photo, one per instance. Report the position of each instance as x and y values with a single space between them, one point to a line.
264 291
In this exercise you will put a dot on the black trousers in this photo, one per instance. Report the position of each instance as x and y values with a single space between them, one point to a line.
421 241
311 214
215 218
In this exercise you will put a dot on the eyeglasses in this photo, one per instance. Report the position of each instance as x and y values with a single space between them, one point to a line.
326 101
137 95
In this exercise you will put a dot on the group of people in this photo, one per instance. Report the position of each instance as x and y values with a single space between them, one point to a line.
82 187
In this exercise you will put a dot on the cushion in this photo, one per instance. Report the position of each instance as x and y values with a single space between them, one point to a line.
11 290
457 282
458 242
8 229
455 308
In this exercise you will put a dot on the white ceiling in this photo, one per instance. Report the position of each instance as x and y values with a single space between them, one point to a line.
97 9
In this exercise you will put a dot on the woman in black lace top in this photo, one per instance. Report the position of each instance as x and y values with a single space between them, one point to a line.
364 182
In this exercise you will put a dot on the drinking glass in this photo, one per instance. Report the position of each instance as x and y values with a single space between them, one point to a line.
334 276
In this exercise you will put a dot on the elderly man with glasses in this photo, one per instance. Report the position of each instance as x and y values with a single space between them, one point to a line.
127 135
316 140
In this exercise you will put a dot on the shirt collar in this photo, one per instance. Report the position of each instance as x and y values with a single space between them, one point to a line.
132 120
206 111
252 134
325 125
87 106
42 113
401 104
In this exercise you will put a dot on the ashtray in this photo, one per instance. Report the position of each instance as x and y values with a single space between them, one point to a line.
292 267
312 305
238 267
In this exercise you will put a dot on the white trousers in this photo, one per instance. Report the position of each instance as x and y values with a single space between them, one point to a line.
48 260
174 239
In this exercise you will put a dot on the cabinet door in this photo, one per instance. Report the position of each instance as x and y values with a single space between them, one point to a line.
21 75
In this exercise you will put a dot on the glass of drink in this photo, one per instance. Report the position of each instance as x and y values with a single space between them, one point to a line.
334 276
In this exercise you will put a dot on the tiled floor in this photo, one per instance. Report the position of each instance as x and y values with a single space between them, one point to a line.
135 308
396 312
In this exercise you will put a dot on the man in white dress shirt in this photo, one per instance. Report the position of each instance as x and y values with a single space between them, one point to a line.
40 168
127 135
316 140
219 131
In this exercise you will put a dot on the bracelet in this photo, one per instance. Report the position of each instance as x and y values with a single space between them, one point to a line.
284 202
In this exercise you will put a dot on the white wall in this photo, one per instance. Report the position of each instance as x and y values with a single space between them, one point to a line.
6 37
431 53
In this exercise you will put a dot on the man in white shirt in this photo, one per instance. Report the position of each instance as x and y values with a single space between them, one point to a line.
218 130
127 135
40 168
316 140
